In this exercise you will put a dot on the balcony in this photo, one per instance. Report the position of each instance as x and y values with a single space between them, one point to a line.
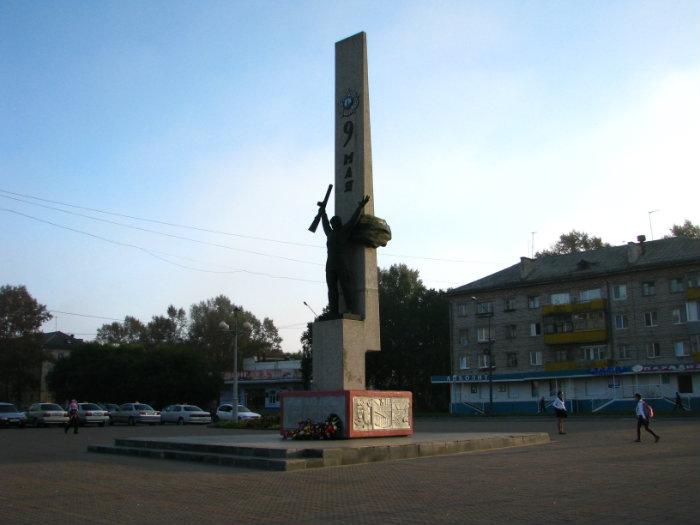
584 336
572 308
692 293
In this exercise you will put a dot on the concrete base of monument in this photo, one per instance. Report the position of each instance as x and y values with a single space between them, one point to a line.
363 413
270 452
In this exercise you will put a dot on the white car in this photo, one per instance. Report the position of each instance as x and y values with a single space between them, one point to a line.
132 413
42 414
223 413
92 413
184 414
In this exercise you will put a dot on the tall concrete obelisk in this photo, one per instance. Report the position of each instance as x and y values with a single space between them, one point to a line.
340 344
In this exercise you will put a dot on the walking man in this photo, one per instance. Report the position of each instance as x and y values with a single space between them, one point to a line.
644 414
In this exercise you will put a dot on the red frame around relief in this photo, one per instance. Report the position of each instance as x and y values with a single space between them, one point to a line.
348 432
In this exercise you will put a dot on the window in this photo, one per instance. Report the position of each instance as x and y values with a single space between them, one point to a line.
695 343
462 309
474 389
536 358
511 359
533 301
653 349
650 318
676 285
692 311
621 321
694 281
623 351
463 337
589 295
679 315
482 334
560 298
561 356
593 353
511 331
619 292
502 387
648 288
484 308
463 362
680 349
484 360
535 329
509 304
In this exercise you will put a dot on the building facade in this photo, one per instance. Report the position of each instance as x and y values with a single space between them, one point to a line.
261 381
599 325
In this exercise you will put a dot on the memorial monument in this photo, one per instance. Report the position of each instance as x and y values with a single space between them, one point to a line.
353 235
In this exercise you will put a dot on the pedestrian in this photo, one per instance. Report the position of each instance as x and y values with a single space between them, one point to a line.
644 413
679 403
542 406
72 417
560 411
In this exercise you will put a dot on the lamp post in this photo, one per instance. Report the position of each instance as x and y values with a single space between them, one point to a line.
223 325
312 310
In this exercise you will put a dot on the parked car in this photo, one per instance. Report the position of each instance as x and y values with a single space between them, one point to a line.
92 413
42 414
10 416
110 408
132 413
224 412
183 414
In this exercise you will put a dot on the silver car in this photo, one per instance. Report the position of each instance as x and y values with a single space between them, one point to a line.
132 413
42 414
224 413
183 414
91 413
10 416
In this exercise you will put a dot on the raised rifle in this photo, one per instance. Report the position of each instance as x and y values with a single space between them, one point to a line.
321 208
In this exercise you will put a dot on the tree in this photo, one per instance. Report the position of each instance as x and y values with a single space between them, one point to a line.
572 242
687 229
170 329
130 331
159 375
21 353
414 323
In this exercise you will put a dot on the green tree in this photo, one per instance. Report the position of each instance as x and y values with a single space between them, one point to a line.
130 331
21 353
572 242
687 229
414 322
158 375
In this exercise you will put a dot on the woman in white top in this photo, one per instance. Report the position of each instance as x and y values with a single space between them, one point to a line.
560 410
642 413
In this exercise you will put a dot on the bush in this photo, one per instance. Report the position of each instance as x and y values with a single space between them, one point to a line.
266 422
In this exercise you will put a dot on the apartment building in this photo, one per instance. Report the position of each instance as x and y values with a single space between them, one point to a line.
599 325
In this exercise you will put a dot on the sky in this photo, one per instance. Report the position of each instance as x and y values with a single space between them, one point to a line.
166 152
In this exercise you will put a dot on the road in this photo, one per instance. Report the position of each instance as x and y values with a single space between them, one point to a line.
594 473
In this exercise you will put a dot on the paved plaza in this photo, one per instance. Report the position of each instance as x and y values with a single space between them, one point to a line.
595 473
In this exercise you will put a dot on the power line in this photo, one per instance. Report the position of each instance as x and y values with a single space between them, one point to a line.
217 232
154 254
85 315
171 235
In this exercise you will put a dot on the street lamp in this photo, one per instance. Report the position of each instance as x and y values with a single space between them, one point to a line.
312 310
223 325
488 353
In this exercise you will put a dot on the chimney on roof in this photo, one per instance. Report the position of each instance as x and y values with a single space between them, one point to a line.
634 251
526 267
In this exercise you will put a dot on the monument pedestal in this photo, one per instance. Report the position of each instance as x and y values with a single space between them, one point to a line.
364 413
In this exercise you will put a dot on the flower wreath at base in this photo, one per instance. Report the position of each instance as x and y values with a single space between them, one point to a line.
331 428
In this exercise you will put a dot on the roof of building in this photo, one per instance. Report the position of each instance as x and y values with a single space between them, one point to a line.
580 265
61 341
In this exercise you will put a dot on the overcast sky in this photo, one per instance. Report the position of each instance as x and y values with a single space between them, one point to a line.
490 121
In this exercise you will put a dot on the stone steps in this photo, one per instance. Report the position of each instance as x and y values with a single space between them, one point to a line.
294 455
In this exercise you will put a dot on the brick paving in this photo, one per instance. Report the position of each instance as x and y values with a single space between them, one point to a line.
595 473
